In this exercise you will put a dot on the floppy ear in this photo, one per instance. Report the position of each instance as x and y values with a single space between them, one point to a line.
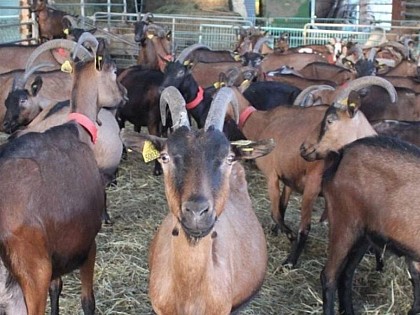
149 146
247 149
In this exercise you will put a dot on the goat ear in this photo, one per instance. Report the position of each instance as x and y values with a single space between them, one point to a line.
149 146
247 149
36 85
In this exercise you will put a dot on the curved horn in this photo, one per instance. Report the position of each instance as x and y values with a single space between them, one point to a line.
71 19
172 97
300 100
147 17
56 43
259 43
218 108
361 83
188 50
398 46
20 81
86 37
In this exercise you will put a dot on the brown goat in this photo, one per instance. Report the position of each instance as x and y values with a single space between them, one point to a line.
155 47
53 197
209 256
374 202
50 20
289 126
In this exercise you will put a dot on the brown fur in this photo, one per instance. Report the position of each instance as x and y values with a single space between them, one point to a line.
289 126
214 280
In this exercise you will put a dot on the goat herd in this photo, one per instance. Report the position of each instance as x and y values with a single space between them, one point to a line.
338 121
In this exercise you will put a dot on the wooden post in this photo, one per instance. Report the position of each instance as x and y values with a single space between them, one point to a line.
25 17
398 8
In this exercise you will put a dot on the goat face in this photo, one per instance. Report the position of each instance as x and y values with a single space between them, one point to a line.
176 75
340 126
197 167
20 107
38 5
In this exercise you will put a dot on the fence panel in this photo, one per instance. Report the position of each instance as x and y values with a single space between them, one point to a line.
16 26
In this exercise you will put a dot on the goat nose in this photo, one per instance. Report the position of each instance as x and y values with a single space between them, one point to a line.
197 208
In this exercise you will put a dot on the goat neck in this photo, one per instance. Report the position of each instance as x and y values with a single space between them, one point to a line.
251 121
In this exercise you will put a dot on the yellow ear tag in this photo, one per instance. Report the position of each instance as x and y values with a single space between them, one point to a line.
98 62
344 101
352 105
237 57
66 31
149 152
150 36
216 85
186 62
244 82
66 67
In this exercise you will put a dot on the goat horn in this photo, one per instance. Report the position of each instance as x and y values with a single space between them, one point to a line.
172 97
147 17
361 83
89 38
372 54
259 43
300 100
20 81
218 108
72 20
398 46
188 50
55 43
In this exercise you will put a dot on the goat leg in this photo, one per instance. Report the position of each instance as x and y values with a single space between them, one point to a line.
86 278
345 281
56 286
414 269
297 247
279 206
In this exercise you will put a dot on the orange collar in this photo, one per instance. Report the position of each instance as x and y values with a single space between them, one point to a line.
197 100
86 123
245 115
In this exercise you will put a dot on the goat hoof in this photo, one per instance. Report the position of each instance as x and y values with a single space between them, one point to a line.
275 230
291 236
288 264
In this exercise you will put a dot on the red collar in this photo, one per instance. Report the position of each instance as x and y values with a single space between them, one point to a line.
86 123
197 100
245 115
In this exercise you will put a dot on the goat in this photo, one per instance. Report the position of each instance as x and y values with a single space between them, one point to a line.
405 130
142 107
206 234
263 95
13 56
50 20
376 103
383 213
38 113
57 84
155 47
53 199
289 126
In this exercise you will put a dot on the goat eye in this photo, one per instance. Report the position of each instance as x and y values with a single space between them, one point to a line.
330 120
164 157
230 159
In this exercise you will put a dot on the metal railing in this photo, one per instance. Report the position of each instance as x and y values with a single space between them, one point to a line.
13 30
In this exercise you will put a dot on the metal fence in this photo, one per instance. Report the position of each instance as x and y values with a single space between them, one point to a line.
217 32
14 27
